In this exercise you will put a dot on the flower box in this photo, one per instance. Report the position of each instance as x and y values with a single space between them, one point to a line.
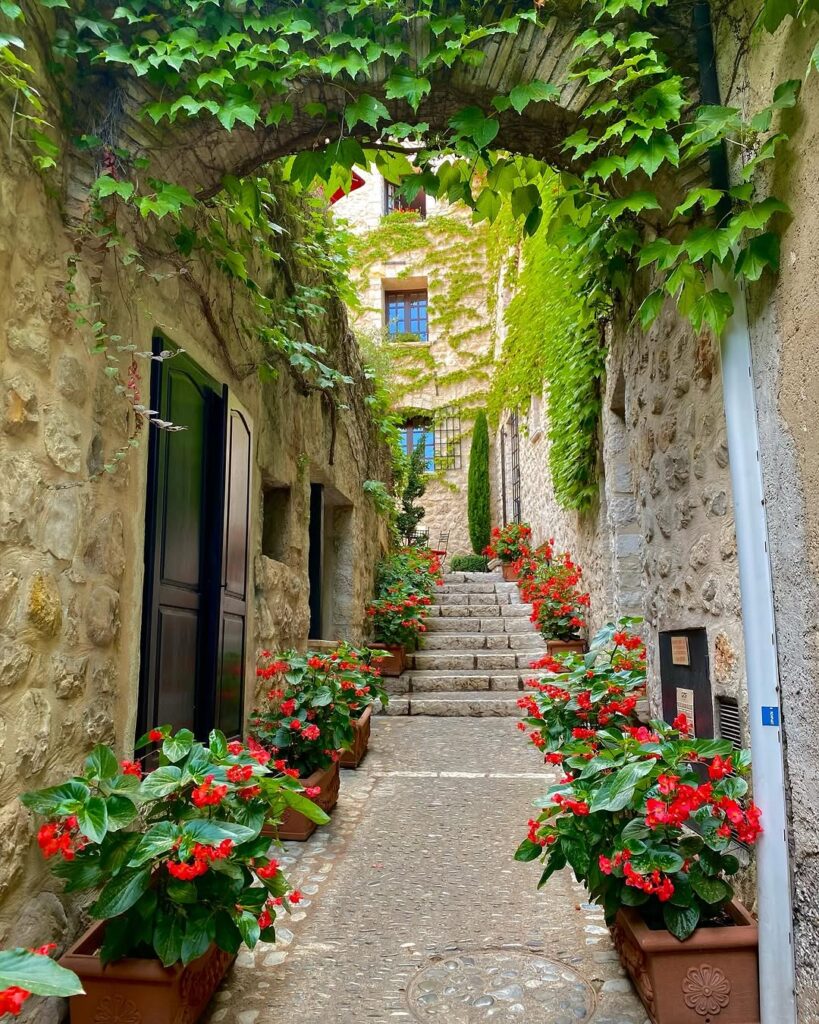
710 978
509 572
353 757
555 648
396 662
140 990
296 826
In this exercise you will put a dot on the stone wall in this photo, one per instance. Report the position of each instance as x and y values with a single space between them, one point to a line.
452 259
784 325
72 538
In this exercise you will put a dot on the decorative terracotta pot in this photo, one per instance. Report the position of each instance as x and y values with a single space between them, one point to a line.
710 978
294 824
509 574
395 662
141 991
555 648
353 757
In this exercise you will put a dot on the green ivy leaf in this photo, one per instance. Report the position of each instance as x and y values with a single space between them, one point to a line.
785 96
713 308
761 253
650 308
535 92
366 109
235 109
706 197
635 203
404 85
472 123
107 185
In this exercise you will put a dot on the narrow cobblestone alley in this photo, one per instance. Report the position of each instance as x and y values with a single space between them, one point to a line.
415 909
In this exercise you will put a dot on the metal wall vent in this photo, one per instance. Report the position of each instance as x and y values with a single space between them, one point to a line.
728 721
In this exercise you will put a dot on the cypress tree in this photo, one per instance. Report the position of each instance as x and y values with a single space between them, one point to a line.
480 520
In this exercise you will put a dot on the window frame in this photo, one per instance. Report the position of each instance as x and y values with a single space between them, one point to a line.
405 297
408 442
394 202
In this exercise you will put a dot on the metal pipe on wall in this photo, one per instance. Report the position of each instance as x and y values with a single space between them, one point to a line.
777 977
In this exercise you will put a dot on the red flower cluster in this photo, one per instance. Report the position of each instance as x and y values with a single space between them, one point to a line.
203 857
208 795
131 768
268 870
239 773
60 837
579 807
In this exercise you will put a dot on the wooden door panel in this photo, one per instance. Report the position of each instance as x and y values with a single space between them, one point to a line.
184 476
237 505
231 675
233 605
177 646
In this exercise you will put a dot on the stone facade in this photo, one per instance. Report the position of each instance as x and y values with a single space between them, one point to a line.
446 377
72 538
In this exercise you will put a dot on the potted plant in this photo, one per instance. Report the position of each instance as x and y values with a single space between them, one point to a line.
558 605
28 972
405 583
303 724
361 686
510 544
179 865
646 817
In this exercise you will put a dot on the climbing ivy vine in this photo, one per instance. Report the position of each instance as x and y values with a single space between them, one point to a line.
229 67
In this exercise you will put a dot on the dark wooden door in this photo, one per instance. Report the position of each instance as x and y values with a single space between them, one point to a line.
232 627
315 560
194 609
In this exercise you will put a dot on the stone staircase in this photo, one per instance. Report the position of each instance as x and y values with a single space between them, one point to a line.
475 655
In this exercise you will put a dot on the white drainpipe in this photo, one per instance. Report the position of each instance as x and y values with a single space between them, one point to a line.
776 953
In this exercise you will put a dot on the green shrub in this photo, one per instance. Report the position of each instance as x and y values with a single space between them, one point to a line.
469 563
478 487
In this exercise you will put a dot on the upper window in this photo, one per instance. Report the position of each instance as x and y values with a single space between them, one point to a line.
395 202
419 433
406 313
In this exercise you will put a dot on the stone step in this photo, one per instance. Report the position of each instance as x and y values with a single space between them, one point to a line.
469 624
463 611
477 588
468 703
473 577
532 642
474 659
447 597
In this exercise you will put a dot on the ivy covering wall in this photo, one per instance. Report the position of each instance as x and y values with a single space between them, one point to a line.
554 341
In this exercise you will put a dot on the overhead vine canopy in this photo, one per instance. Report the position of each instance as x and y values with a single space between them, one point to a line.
182 100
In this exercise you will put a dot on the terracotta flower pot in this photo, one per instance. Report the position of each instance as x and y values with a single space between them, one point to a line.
139 991
395 662
710 978
555 648
295 825
509 574
353 757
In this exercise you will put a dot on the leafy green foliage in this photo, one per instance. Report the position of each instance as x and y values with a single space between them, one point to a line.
36 973
553 342
174 854
637 822
479 512
469 563
410 514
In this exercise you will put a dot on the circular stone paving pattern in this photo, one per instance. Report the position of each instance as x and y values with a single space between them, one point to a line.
500 986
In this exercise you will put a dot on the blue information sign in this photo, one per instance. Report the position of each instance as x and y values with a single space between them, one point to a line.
770 716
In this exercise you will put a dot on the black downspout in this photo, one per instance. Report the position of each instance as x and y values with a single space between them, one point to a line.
709 94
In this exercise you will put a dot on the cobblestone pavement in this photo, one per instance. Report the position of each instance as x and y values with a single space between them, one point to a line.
415 909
